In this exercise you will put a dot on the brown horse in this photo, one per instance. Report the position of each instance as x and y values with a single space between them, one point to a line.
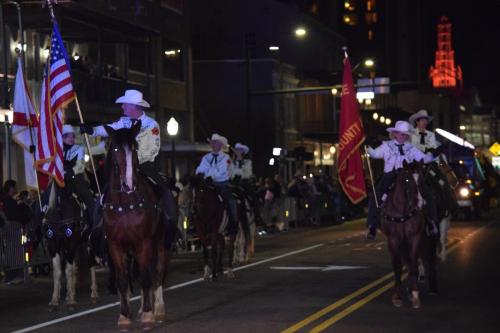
210 219
134 228
403 224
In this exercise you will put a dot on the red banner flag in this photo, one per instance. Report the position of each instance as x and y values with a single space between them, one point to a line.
351 137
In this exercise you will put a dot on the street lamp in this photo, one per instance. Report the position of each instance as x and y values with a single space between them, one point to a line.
172 129
274 48
300 32
369 63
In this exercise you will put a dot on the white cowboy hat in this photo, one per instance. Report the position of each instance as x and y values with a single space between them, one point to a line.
132 97
241 146
68 129
401 127
420 114
220 138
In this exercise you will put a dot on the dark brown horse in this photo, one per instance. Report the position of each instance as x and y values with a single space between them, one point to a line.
403 224
210 219
134 229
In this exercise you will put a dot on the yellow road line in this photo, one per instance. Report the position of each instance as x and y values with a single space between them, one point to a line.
353 295
362 302
337 304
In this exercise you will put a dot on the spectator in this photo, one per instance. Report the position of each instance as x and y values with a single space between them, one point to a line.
15 210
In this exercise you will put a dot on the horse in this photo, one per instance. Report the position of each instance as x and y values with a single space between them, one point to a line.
244 245
133 224
403 224
210 219
62 225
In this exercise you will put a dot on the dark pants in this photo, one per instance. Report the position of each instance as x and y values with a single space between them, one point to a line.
226 193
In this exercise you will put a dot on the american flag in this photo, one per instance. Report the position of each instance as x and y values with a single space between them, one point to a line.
57 92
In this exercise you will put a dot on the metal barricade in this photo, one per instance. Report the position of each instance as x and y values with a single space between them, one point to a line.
11 246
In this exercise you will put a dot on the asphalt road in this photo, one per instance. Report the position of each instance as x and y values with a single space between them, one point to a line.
309 280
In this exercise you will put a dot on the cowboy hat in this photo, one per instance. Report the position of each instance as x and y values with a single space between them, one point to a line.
241 146
220 138
420 114
401 127
132 97
68 129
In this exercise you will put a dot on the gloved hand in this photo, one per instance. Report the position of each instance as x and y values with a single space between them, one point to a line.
84 128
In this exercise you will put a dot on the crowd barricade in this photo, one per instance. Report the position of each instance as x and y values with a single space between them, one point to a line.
12 240
17 253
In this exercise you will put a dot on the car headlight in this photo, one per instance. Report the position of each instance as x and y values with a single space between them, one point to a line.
464 192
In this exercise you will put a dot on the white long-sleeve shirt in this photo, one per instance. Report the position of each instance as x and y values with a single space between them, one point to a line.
244 171
215 165
389 151
429 140
148 138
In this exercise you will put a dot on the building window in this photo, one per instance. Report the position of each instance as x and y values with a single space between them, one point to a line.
172 60
350 19
137 57
371 18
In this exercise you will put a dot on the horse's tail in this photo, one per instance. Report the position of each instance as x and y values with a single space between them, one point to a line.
245 223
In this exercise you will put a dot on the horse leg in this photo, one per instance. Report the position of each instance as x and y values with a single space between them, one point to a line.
239 251
230 250
94 295
70 283
56 276
430 262
414 250
121 271
159 304
251 248
213 253
144 258
206 267
443 231
397 267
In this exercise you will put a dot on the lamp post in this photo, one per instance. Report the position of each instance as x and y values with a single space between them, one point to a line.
7 123
172 129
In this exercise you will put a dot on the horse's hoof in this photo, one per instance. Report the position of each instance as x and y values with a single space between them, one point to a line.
53 307
147 320
124 324
93 300
397 301
415 300
230 274
160 317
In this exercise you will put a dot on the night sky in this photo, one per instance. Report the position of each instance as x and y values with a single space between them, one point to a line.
476 40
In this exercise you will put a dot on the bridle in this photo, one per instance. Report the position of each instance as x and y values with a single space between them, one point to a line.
412 211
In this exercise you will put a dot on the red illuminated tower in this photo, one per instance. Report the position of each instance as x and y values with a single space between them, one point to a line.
444 74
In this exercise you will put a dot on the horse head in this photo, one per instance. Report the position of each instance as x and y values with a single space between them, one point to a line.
405 197
122 160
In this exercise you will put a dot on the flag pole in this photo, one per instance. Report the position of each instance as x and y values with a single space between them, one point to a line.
371 176
87 143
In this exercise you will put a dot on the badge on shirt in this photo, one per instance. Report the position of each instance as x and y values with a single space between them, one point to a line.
155 131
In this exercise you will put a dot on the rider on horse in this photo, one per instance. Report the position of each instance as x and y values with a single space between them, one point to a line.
217 166
148 140
78 185
394 152
242 165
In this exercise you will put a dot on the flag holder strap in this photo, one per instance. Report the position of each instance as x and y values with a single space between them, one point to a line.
368 162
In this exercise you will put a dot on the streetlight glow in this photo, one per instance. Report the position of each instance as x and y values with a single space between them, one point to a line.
332 150
388 121
382 119
276 151
375 116
335 91
300 32
462 127
369 63
274 48
172 127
